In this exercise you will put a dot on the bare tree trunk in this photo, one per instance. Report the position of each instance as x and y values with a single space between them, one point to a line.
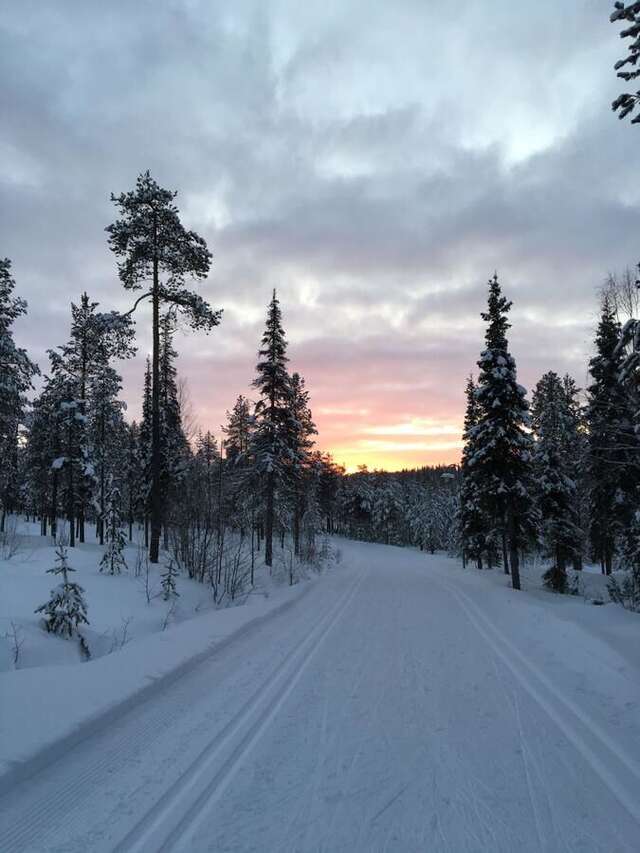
54 504
156 495
513 550
253 528
268 522
70 487
505 554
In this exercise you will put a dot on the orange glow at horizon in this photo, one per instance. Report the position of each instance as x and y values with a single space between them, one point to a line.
410 443
351 458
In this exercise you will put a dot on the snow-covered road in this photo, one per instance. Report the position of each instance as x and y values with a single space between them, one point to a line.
400 704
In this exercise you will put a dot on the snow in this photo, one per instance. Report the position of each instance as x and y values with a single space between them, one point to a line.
400 703
133 642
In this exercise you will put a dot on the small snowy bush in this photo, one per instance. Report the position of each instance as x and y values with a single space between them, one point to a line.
66 610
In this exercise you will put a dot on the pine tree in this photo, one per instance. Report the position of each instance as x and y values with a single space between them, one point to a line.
613 445
270 447
66 610
16 372
113 560
152 242
626 103
503 447
553 427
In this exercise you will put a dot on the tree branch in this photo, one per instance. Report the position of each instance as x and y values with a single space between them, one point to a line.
136 303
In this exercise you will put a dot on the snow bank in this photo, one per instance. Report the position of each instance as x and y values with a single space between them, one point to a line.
47 707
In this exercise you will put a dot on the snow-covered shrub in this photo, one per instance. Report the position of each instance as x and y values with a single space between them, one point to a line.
168 583
66 610
559 580
624 589
9 538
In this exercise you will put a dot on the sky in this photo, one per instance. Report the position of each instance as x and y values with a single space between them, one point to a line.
375 162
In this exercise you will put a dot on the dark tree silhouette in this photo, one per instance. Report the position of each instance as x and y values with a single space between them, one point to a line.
155 248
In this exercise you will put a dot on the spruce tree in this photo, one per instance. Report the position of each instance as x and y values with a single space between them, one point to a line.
156 249
270 447
173 442
16 372
300 429
207 457
106 436
613 445
238 429
329 478
113 560
503 447
626 103
168 582
95 339
66 609
471 519
556 487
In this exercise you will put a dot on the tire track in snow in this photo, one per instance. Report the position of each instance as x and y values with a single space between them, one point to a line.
172 822
620 774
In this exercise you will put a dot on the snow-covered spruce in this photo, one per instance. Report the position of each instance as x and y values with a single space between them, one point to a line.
16 374
555 428
66 610
613 446
113 560
626 103
472 521
502 447
269 447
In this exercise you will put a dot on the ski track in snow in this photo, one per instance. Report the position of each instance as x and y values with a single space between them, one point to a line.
385 711
618 772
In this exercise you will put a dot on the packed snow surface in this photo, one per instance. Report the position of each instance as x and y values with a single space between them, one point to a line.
399 704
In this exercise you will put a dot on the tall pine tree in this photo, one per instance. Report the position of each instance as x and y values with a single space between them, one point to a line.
156 249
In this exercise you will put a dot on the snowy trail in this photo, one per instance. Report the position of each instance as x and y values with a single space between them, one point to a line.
396 706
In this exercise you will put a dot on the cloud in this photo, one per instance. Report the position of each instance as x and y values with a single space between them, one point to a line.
374 162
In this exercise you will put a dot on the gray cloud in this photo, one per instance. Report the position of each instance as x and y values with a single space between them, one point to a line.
376 162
